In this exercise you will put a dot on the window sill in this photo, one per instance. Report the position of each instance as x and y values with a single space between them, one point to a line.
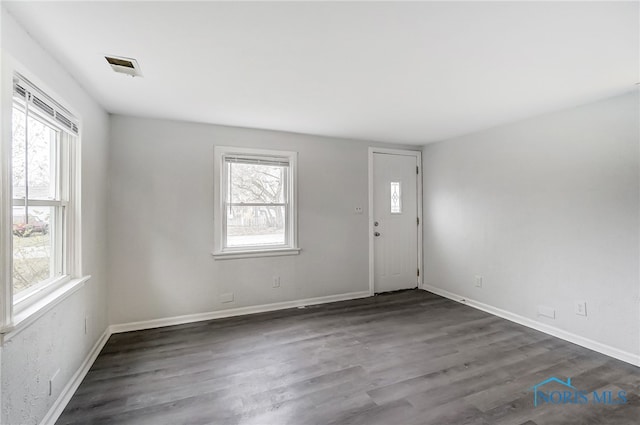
231 255
29 314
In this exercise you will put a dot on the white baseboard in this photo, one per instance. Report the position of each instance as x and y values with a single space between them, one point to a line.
616 353
190 318
63 399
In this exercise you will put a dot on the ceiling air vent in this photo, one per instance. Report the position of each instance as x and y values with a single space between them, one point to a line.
124 65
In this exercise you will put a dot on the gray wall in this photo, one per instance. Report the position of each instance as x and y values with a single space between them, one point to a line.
546 210
57 340
161 221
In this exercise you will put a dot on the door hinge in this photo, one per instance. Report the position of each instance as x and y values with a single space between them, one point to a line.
417 169
418 272
418 221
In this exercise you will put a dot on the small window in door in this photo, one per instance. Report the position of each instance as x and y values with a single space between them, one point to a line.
396 198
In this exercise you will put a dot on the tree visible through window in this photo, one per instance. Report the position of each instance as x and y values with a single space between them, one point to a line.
255 202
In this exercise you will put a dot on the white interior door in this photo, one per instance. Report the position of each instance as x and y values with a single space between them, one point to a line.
395 222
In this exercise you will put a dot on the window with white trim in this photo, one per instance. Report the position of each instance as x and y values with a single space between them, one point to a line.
255 202
44 186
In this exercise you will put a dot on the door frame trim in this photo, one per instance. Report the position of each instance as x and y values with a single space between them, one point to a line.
404 152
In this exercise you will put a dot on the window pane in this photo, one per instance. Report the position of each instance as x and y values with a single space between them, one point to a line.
255 226
18 154
41 160
32 246
396 198
33 161
253 183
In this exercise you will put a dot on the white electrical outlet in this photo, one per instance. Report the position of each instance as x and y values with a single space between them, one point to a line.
478 281
357 210
581 308
545 311
52 382
276 281
226 298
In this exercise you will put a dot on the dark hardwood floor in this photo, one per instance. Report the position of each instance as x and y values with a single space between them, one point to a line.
402 358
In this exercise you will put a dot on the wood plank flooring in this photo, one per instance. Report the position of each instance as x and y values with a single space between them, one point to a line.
404 358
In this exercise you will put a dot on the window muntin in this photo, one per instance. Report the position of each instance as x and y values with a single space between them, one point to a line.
43 226
256 202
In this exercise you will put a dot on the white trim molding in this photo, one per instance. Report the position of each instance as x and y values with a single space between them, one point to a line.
6 235
67 392
241 311
27 316
418 156
230 255
290 245
607 350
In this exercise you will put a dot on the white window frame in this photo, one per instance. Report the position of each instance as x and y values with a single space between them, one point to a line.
290 247
20 309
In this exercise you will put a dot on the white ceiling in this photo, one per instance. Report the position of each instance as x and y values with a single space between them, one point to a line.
395 72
